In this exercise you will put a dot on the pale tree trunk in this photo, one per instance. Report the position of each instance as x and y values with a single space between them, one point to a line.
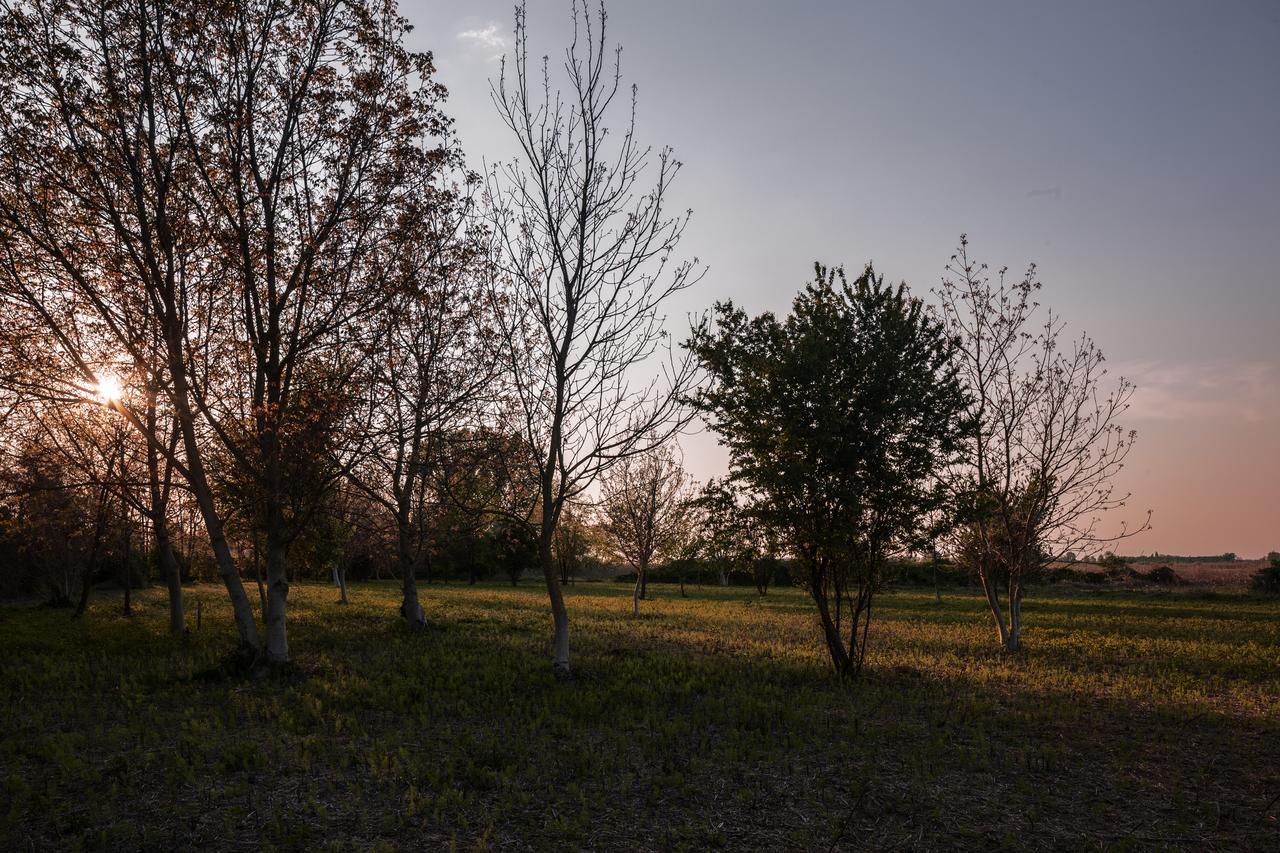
250 641
159 494
258 576
993 604
559 615
277 600
340 575
1014 641
638 593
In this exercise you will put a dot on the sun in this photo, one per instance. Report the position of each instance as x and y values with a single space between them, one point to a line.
109 389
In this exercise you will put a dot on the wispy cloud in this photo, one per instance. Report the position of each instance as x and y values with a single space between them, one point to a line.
489 38
1236 390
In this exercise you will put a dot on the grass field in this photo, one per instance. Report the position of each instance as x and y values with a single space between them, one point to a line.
1133 721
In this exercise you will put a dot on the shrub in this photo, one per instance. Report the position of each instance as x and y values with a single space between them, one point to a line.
1162 575
1267 579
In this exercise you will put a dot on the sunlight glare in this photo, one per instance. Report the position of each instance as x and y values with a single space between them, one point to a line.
109 389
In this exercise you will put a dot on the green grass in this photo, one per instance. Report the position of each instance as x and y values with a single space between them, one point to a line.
1132 721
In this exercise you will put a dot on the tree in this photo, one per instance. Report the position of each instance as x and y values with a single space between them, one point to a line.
724 535
431 377
838 421
643 503
1043 442
572 541
583 267
1267 578
514 548
193 189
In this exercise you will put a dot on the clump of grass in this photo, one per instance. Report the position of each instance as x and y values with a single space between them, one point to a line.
1144 718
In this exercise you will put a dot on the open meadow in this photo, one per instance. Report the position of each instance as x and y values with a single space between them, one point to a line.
1130 721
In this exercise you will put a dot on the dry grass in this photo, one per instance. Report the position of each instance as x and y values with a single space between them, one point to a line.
1133 721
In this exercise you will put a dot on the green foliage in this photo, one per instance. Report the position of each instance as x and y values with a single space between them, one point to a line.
837 421
515 548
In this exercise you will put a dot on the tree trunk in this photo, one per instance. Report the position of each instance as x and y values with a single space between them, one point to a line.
262 581
638 592
173 577
277 600
197 481
128 570
835 645
411 607
1014 641
993 604
340 572
559 615
644 583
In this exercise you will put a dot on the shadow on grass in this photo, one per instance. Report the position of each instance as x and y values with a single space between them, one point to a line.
706 706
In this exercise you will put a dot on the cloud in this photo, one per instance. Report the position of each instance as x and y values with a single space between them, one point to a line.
1237 390
489 37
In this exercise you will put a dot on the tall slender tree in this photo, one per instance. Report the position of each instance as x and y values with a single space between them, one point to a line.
583 266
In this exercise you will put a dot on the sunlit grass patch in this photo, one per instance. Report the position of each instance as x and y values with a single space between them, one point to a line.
710 720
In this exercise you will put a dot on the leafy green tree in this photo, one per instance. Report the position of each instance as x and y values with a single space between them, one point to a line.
838 421
724 539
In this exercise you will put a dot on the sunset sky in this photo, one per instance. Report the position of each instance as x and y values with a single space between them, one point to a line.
1129 149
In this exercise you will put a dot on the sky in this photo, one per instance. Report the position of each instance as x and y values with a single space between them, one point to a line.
1130 149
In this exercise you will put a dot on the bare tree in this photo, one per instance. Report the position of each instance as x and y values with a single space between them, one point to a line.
432 377
572 542
1044 444
644 501
583 266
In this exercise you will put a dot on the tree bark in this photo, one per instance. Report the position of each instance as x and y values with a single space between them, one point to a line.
173 577
277 601
559 615
128 570
638 592
197 481
340 572
993 604
835 645
1014 641
410 605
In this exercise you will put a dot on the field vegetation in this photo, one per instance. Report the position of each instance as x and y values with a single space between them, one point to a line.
1129 721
